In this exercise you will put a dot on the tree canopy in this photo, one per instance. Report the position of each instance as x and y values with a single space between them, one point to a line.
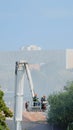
4 112
61 107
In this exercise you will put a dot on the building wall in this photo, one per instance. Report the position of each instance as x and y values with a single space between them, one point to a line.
69 58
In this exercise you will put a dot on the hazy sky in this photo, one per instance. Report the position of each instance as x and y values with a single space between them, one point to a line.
46 23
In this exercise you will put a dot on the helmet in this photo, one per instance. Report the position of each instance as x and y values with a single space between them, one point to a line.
35 94
44 96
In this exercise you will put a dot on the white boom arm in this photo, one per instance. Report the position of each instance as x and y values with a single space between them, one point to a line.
30 79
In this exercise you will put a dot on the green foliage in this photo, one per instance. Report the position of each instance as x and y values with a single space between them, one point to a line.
61 107
71 127
4 112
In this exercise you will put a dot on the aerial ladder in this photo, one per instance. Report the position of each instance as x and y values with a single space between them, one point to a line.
21 68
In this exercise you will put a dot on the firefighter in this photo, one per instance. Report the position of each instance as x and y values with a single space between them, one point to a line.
35 100
27 106
43 103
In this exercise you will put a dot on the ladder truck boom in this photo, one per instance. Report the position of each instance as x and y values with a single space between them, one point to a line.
30 80
21 66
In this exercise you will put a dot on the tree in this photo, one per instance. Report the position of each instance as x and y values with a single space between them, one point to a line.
61 107
4 112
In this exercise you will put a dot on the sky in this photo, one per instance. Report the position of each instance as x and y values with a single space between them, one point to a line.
45 23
